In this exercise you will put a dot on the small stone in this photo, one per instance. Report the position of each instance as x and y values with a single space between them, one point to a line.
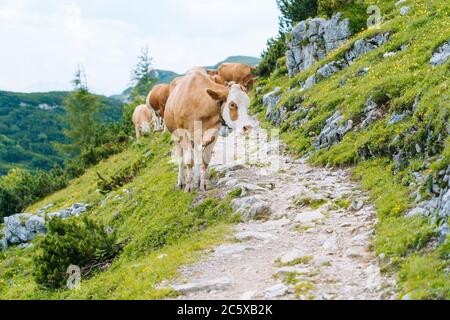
231 249
405 10
198 286
249 295
276 291
291 257
309 217
354 253
389 54
331 245
357 206
249 235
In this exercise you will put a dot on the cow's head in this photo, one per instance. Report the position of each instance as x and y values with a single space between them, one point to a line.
235 103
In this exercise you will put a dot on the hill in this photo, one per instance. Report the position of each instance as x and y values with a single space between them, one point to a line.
31 122
252 61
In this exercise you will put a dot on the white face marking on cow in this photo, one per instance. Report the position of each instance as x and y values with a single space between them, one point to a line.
243 124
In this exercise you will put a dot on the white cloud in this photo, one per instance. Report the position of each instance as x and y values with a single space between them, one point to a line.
44 41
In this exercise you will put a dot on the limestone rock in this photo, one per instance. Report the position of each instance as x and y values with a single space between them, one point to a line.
22 228
309 217
334 131
312 40
441 55
202 285
276 291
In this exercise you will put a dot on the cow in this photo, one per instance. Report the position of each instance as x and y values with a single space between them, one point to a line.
195 111
237 72
143 117
156 100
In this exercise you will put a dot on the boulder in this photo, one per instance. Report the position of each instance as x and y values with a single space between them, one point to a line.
202 285
396 118
22 228
276 291
404 11
76 210
334 131
441 55
271 100
251 208
363 46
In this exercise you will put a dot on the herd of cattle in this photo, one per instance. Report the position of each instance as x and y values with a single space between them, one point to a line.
193 108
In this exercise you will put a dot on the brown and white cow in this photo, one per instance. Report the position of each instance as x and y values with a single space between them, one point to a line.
237 72
194 114
156 100
143 118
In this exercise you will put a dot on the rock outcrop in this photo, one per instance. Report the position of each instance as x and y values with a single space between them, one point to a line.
313 39
438 208
334 131
359 48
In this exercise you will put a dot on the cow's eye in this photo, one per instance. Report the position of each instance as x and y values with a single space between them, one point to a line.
233 105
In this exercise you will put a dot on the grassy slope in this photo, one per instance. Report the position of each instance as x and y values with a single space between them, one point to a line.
158 219
423 272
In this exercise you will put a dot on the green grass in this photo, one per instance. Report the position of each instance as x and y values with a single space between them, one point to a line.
156 220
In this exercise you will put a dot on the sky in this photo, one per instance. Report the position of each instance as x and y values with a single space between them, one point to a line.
43 41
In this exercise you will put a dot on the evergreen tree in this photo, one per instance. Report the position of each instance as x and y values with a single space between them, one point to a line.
81 107
143 74
294 11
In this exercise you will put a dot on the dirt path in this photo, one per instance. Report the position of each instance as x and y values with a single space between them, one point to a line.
313 242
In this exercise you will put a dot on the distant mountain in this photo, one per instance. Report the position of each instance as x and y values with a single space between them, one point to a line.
165 76
252 61
31 122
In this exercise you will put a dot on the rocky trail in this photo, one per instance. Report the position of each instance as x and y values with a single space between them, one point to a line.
307 233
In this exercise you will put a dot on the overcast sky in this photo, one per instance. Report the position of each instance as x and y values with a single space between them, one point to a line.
43 41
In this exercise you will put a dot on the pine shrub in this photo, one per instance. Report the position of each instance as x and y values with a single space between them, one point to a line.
83 243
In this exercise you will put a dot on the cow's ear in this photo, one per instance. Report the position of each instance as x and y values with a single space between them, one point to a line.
221 95
212 72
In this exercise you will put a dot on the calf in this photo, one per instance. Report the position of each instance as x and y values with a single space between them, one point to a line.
143 117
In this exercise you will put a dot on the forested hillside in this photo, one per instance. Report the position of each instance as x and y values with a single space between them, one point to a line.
31 123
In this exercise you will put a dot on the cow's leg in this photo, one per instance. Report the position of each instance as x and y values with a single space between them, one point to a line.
188 150
198 154
209 142
180 161
207 155
138 134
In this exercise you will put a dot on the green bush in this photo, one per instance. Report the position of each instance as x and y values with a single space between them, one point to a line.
329 7
82 243
294 11
20 188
